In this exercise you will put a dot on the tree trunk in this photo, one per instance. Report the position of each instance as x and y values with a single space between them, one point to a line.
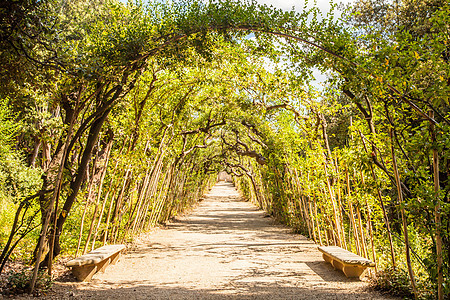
47 208
35 153
81 173
46 155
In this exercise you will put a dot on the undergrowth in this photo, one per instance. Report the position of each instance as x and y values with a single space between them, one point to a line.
18 282
396 282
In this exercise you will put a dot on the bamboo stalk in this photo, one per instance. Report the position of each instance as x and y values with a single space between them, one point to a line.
339 205
333 203
123 207
361 233
80 235
140 203
312 219
383 208
331 236
131 209
102 210
437 212
154 189
318 223
117 217
108 216
163 193
151 187
48 212
163 197
141 213
88 201
140 197
105 199
351 214
303 207
369 223
311 212
112 217
403 214
97 201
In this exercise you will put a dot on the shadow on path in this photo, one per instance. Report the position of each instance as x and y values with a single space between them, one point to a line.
224 249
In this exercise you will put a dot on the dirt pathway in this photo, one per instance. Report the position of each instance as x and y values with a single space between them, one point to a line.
223 249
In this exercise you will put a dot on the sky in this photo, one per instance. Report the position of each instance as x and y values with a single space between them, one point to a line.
324 5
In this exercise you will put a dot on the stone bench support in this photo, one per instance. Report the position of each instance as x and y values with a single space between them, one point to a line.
351 264
85 266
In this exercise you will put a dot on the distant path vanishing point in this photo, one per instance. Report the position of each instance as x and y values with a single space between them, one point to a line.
225 248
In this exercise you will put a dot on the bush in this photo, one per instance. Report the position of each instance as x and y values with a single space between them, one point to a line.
393 281
16 179
18 282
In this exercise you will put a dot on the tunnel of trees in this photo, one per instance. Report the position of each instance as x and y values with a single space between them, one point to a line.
115 117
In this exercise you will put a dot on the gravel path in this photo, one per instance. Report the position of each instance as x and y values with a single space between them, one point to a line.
224 249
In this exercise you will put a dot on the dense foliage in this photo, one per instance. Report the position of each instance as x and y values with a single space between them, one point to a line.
116 119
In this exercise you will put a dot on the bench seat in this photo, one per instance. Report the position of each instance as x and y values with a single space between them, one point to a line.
351 264
85 266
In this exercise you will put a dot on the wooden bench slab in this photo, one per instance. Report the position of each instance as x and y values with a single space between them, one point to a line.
85 266
351 264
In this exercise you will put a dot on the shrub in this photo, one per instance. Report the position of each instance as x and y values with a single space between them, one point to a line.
18 282
393 281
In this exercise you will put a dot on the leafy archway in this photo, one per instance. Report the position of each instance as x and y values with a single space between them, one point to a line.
220 108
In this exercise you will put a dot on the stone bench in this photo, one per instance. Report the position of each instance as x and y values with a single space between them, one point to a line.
351 264
85 266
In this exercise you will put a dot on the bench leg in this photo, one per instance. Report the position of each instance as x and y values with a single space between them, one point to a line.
102 266
353 271
337 265
327 258
115 258
84 273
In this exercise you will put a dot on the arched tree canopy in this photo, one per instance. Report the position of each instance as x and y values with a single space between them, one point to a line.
129 110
